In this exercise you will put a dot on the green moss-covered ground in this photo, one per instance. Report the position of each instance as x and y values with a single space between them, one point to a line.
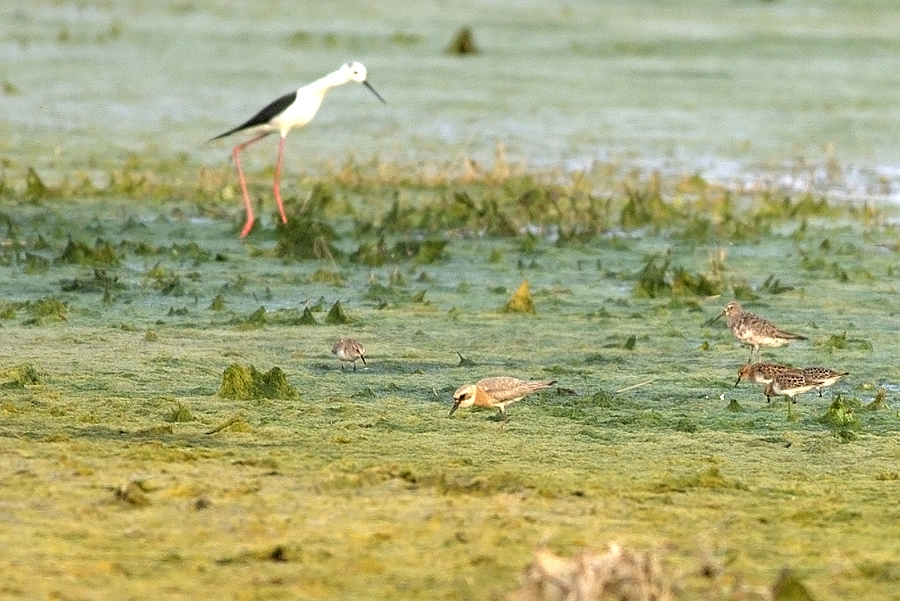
127 473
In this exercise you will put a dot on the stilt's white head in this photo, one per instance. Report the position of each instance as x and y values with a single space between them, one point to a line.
354 71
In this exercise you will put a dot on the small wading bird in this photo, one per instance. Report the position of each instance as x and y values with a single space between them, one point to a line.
789 384
292 110
762 373
753 330
496 393
348 349
824 376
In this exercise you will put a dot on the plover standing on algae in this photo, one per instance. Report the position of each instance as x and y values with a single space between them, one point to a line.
349 349
753 330
826 377
496 393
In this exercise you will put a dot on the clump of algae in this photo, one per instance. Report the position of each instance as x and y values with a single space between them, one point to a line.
521 301
840 415
20 376
307 318
463 43
337 316
245 382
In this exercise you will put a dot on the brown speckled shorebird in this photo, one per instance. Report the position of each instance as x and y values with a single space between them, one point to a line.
789 384
496 393
753 330
762 373
349 349
826 377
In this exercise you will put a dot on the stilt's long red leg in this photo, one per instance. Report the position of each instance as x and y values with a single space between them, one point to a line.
276 185
237 161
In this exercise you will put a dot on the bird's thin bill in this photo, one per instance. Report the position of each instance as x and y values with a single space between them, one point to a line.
377 95
453 408
709 322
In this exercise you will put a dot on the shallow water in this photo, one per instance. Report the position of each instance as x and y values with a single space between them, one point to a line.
796 94
363 487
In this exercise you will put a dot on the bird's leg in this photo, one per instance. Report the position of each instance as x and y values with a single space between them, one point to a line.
236 153
504 417
276 185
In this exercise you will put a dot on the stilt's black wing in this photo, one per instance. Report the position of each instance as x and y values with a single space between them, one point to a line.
271 110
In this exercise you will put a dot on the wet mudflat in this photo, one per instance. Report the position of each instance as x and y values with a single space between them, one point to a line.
131 464
173 425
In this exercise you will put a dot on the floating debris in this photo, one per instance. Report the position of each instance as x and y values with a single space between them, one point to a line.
618 575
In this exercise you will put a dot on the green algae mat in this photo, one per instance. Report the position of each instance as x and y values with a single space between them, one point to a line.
173 424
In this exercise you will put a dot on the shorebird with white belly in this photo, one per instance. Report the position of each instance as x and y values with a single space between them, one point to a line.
496 393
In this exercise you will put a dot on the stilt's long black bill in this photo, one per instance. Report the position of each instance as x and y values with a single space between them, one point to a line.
377 95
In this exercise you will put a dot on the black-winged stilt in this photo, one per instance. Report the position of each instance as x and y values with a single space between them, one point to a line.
282 115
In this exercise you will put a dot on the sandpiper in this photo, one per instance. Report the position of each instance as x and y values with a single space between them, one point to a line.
496 392
790 384
826 377
753 330
762 373
349 349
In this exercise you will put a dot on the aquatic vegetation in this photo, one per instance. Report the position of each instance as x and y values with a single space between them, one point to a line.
463 43
657 279
661 445
245 382
337 316
181 413
841 342
521 301
101 255
20 376
304 238
840 414
45 309
645 206
879 402
254 320
307 318
217 304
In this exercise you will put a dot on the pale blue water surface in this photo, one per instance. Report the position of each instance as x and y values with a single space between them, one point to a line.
801 94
